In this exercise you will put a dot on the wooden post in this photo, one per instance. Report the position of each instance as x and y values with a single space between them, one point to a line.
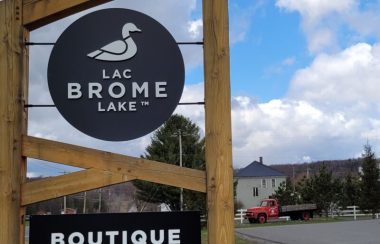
218 123
13 94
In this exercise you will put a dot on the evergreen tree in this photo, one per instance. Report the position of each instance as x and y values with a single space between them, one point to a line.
350 193
285 194
320 189
370 184
164 147
306 190
324 189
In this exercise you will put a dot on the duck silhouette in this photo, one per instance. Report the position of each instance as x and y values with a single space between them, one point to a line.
119 50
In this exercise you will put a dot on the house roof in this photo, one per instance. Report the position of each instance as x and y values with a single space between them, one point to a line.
256 169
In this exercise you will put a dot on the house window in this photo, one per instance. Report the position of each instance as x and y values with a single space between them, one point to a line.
263 183
273 183
255 191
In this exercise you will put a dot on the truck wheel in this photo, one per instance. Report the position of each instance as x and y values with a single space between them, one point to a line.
262 218
305 216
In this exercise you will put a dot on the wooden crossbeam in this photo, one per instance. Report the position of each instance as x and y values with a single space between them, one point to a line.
58 186
139 168
38 13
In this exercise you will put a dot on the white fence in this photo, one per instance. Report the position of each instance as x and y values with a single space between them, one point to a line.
350 211
239 216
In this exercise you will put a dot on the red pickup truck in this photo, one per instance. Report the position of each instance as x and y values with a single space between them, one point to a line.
270 209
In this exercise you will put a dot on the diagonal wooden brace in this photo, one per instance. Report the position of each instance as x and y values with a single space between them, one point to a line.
137 168
58 186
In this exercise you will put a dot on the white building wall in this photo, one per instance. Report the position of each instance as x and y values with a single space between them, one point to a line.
245 189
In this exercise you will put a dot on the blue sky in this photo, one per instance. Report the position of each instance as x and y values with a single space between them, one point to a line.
304 78
266 49
273 48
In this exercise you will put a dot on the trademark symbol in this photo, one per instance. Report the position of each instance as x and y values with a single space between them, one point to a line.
144 103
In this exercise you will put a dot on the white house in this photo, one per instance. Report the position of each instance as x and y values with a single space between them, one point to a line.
256 182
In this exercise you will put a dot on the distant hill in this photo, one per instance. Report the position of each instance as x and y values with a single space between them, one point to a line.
339 168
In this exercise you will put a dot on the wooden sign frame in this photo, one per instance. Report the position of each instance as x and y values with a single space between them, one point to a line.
17 19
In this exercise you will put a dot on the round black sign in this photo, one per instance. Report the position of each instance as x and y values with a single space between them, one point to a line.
116 74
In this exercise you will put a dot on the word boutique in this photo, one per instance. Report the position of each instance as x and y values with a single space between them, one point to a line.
171 236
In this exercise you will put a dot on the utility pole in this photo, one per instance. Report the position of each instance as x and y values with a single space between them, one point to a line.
64 204
64 197
100 201
180 165
84 202
294 181
179 134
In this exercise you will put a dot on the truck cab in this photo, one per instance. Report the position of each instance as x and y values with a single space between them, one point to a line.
268 209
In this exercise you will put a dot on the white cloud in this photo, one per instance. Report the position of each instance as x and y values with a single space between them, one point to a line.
321 39
289 61
314 10
306 159
286 130
330 25
196 28
331 110
31 174
335 80
193 93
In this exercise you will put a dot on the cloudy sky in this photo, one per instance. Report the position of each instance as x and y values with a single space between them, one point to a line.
304 75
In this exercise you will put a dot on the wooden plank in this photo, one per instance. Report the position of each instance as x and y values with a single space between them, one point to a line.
25 93
87 158
53 187
38 13
218 122
13 94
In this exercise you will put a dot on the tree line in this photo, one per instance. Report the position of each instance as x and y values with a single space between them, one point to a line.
330 192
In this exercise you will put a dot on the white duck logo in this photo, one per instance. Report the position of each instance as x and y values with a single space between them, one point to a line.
119 50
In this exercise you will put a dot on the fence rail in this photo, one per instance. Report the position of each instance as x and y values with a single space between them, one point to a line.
239 215
350 211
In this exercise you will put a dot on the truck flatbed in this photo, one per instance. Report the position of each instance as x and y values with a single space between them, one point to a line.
298 207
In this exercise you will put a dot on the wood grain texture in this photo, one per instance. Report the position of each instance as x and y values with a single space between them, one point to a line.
218 122
38 13
24 124
139 168
58 186
13 94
